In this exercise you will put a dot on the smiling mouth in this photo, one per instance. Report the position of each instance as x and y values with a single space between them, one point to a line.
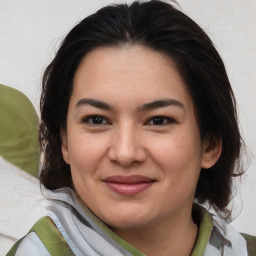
129 185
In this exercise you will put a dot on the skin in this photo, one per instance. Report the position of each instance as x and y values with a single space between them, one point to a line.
128 137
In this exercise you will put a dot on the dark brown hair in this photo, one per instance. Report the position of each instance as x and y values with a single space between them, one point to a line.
161 27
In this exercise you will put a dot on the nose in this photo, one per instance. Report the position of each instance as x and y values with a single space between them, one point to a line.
127 147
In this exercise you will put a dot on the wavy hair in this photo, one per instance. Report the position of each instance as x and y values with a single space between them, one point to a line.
161 27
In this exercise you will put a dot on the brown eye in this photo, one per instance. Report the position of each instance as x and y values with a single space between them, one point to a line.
95 120
160 120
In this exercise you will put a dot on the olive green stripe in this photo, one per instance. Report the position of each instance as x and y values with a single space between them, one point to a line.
14 248
125 245
204 232
51 237
251 244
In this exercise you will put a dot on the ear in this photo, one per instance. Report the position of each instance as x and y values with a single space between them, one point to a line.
212 148
64 145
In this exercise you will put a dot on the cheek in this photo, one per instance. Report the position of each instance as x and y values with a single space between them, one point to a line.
179 157
86 152
172 150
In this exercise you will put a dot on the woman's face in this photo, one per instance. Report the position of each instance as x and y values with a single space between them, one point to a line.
132 138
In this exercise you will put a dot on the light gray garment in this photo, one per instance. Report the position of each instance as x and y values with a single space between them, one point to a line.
86 235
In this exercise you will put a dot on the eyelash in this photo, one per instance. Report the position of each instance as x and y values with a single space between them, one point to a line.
165 120
102 120
88 118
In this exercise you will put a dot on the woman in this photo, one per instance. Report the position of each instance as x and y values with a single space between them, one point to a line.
138 122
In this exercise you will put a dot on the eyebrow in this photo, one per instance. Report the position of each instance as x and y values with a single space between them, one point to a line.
145 107
94 103
160 104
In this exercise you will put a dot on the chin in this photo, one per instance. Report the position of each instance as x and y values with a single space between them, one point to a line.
129 220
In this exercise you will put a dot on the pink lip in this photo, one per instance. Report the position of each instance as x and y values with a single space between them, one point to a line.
128 185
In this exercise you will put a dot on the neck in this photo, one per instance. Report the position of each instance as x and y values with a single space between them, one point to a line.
175 238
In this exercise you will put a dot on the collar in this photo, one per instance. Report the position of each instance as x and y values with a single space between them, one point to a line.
213 237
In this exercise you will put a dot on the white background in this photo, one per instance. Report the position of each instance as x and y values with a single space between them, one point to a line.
31 30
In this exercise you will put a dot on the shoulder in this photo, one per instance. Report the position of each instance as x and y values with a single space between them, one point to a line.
251 244
237 243
216 236
44 239
30 245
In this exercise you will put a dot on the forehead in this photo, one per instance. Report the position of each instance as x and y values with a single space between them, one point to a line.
125 59
126 72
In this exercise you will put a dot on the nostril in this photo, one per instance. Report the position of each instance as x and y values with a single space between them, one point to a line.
126 159
126 148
